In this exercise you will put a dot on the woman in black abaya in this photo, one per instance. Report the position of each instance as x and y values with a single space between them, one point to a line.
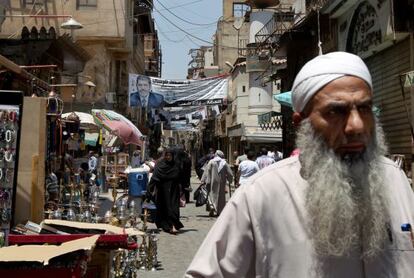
166 179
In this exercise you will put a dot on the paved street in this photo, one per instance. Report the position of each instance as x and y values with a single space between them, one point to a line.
175 252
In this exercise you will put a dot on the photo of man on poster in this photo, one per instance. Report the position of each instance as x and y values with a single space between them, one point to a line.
143 96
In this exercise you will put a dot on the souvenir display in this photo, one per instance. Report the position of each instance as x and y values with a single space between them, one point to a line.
10 115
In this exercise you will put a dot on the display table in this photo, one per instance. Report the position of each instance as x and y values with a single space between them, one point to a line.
104 241
68 260
98 266
72 268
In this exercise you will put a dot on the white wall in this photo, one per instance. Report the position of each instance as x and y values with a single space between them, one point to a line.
260 97
258 20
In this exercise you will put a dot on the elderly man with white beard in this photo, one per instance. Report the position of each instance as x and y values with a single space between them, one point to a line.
339 209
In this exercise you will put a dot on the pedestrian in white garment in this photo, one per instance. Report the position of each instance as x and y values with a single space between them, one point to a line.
247 168
264 160
216 174
339 209
92 163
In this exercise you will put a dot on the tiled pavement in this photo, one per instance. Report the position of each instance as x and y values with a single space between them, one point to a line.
175 252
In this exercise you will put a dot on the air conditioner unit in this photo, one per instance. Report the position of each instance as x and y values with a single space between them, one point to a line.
110 97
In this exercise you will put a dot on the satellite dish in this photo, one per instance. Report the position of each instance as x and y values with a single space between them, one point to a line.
238 23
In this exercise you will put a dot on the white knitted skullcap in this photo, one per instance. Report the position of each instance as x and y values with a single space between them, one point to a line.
322 70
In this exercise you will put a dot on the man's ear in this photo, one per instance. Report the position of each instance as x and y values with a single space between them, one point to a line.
296 118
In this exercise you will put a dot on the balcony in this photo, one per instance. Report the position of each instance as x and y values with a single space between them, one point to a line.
277 26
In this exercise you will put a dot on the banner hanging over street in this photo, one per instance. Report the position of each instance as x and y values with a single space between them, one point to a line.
151 92
183 118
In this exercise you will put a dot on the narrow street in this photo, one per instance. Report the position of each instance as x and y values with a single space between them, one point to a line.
307 103
175 252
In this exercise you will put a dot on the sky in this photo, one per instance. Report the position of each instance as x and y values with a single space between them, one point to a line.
201 17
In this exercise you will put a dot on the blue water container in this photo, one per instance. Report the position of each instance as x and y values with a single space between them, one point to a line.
137 182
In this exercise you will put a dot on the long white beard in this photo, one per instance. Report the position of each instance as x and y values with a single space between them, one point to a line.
346 199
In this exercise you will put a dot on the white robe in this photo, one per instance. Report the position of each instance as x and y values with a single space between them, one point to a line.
216 174
262 232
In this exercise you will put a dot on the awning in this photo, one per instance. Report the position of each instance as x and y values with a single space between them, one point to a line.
235 131
86 120
118 125
262 138
91 138
284 98
113 142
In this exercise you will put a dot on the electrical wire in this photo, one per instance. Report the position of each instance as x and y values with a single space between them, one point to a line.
184 20
174 31
185 4
182 30
165 36
189 38
193 36
189 10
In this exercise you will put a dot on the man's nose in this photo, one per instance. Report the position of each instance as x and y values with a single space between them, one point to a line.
354 124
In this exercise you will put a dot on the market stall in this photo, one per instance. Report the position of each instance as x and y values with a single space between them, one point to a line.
67 260
54 232
115 162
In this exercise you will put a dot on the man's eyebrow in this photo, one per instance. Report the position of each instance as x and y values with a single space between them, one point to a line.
339 103
365 102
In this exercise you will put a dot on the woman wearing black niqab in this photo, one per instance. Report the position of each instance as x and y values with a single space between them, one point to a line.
166 179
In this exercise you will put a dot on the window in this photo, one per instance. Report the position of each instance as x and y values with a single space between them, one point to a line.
244 89
86 3
240 9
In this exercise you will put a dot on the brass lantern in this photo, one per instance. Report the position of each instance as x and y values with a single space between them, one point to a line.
72 123
54 104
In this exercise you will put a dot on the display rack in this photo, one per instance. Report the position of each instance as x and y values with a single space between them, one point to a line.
11 106
115 163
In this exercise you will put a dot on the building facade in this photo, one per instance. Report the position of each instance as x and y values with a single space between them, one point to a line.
231 37
250 97
202 63
381 33
113 34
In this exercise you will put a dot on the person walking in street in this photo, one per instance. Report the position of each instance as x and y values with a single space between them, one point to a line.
338 209
275 154
92 163
247 168
242 157
235 168
136 159
263 160
202 162
165 185
216 174
184 163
